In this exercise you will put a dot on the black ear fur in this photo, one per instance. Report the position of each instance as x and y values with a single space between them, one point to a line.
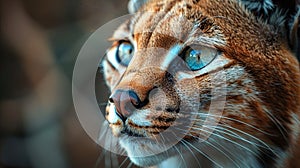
283 15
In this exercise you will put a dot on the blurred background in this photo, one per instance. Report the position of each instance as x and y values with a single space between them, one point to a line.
39 43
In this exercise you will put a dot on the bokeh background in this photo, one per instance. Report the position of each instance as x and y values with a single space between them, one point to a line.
39 43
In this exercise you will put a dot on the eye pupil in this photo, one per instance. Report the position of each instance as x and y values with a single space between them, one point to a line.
196 54
197 57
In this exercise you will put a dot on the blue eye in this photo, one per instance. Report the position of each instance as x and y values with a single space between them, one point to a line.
197 57
124 53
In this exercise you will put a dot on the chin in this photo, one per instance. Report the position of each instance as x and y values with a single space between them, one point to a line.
149 160
144 152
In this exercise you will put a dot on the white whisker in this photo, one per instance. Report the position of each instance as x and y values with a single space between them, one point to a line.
183 160
232 119
226 155
278 124
266 146
209 158
197 160
235 135
124 161
229 140
129 165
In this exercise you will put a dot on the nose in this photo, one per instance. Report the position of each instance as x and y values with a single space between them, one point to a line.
126 101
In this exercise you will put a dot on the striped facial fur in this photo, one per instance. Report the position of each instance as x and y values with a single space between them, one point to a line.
213 83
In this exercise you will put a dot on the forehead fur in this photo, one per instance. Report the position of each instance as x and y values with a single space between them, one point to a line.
258 46
165 24
226 20
231 17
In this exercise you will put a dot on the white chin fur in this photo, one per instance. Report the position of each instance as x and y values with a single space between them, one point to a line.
143 152
149 161
177 155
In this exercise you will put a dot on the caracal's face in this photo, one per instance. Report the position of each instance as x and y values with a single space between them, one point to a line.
205 76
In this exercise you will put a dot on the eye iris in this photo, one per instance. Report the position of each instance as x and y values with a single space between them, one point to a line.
125 52
194 60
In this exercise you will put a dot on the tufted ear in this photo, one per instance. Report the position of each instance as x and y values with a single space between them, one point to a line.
258 7
135 5
282 14
273 12
294 35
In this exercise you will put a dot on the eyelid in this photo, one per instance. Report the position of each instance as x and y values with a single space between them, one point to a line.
115 39
195 47
205 41
117 42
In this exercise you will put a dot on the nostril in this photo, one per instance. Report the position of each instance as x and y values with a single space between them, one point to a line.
135 100
111 100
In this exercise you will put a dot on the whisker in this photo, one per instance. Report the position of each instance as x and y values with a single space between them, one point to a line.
234 135
183 160
192 153
266 146
114 159
164 144
224 138
160 142
107 160
124 161
100 158
225 149
232 119
130 165
244 140
231 141
280 127
226 155
191 145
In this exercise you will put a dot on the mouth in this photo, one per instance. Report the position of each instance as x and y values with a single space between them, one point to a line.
130 133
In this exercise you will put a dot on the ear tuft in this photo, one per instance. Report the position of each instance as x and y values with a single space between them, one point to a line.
259 7
267 10
135 5
282 16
